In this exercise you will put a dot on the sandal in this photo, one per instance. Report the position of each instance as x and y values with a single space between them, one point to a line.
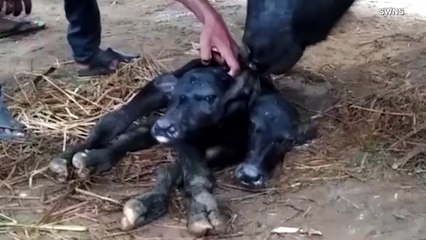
22 28
10 128
101 63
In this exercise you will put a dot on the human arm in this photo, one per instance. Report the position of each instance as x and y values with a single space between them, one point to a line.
215 35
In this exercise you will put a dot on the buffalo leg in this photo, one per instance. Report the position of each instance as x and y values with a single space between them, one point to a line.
152 205
204 215
110 126
103 159
149 99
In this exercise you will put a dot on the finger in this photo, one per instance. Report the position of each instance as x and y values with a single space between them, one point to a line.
234 71
28 6
205 47
1 4
219 59
18 8
231 60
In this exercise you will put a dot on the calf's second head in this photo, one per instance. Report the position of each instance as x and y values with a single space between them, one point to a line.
199 98
275 128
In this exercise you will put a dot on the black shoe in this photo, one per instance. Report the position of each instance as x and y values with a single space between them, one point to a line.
101 63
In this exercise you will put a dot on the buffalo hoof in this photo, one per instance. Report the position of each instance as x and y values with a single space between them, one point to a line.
92 161
204 216
143 210
79 162
59 166
250 176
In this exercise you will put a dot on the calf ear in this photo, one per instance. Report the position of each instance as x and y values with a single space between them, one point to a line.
166 82
245 84
236 88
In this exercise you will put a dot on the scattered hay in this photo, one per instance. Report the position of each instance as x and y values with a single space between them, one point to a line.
394 116
68 110
58 113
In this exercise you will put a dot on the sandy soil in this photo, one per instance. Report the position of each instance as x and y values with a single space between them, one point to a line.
381 204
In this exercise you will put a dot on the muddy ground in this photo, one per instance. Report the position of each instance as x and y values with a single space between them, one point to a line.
336 186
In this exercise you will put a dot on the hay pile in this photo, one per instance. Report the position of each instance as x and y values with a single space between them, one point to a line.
63 109
58 113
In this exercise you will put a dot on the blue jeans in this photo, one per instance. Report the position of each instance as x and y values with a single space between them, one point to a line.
84 29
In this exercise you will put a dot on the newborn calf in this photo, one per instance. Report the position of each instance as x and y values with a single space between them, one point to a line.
206 121
205 107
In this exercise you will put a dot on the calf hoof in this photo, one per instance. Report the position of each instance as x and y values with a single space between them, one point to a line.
79 162
59 166
143 210
204 216
92 161
250 176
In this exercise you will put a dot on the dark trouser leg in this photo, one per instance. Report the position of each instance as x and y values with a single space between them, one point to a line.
84 29
84 37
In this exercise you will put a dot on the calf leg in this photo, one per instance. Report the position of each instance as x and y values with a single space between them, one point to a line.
204 215
103 159
220 157
149 99
150 206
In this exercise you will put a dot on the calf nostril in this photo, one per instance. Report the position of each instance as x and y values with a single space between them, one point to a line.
251 172
248 174
163 123
171 129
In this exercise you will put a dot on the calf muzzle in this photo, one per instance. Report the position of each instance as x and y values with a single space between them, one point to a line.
165 130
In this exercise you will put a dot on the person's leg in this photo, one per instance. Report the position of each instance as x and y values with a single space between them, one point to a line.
84 37
10 129
84 28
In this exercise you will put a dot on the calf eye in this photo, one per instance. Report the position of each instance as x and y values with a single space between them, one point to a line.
258 130
280 140
210 99
182 98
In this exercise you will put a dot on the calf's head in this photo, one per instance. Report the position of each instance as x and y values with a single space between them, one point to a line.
273 131
199 98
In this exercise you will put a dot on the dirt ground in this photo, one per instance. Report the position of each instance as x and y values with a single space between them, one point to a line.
336 185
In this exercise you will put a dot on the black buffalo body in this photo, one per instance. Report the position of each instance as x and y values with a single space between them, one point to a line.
212 119
277 32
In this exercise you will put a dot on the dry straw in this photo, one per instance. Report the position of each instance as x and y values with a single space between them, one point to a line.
58 113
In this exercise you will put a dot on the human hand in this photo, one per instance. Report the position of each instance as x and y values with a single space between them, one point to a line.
15 6
216 40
